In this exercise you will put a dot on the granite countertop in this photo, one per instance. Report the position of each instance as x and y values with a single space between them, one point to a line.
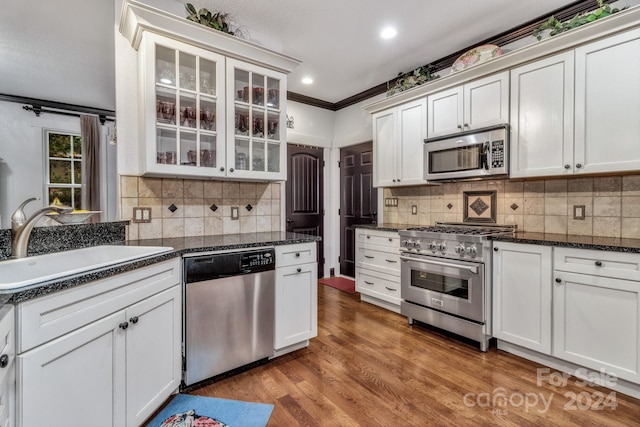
180 246
386 226
573 241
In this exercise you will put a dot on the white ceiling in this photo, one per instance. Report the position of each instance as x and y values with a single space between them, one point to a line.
63 50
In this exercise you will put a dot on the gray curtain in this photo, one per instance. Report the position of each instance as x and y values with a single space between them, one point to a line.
90 130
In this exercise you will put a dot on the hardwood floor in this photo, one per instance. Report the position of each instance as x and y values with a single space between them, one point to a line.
369 367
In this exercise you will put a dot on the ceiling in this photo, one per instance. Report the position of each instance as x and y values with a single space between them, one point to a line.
64 50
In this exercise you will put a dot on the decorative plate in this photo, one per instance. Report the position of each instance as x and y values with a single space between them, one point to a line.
476 56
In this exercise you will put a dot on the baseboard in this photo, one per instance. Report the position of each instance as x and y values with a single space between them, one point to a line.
621 386
380 303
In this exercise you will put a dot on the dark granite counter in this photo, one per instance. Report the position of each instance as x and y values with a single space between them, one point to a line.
386 226
572 241
185 245
181 246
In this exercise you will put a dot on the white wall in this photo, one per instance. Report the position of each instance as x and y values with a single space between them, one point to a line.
22 168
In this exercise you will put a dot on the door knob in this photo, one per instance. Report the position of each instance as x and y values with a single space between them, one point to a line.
289 221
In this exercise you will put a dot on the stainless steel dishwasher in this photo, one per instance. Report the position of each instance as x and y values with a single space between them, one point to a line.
228 312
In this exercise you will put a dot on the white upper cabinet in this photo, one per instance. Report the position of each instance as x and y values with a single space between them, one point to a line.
542 117
607 104
211 105
475 105
577 112
398 140
183 100
255 112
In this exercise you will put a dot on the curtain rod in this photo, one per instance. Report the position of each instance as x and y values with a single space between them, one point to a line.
39 106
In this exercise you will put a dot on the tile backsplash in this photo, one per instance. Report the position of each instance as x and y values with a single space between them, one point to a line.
193 199
612 204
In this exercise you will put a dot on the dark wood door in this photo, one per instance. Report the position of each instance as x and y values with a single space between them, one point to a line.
304 204
358 202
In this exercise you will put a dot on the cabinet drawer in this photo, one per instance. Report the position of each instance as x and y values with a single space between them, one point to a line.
618 265
382 261
388 239
43 319
295 254
378 285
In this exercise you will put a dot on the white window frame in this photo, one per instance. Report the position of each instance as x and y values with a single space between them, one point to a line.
76 204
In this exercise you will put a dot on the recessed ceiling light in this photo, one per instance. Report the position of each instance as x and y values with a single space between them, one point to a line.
388 33
307 80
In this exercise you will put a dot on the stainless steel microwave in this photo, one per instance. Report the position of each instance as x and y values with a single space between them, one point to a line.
480 153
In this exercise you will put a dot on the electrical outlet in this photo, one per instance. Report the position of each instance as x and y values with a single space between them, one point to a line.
391 201
578 211
414 210
234 212
141 215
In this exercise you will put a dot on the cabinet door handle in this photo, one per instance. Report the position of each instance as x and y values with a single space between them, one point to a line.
134 320
391 261
221 169
231 169
567 166
297 254
299 270
459 126
496 249
390 289
4 361
466 125
368 256
558 280
368 237
368 283
578 165
123 325
390 239
394 180
598 263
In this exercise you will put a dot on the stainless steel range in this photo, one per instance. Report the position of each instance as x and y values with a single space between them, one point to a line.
446 277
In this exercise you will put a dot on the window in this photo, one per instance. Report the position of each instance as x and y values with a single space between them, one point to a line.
64 168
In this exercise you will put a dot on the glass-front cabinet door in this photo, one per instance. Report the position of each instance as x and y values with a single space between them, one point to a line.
256 116
184 109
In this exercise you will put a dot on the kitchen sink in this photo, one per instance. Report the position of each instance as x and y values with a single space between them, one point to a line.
20 273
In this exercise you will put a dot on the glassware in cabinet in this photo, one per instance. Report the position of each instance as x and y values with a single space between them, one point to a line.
185 137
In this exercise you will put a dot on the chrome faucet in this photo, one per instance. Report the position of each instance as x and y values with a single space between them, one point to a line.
22 226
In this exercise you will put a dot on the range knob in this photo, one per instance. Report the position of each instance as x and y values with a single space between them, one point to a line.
433 246
459 249
472 250
404 243
417 245
442 247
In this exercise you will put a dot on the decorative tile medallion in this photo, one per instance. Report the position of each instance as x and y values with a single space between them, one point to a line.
173 208
479 206
449 206
514 206
249 207
213 207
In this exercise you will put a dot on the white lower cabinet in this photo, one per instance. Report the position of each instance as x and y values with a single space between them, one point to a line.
597 315
522 295
105 370
296 295
378 267
574 305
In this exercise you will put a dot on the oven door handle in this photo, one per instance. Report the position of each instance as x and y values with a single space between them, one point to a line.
471 268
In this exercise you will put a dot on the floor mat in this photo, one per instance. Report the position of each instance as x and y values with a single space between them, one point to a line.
342 283
187 410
